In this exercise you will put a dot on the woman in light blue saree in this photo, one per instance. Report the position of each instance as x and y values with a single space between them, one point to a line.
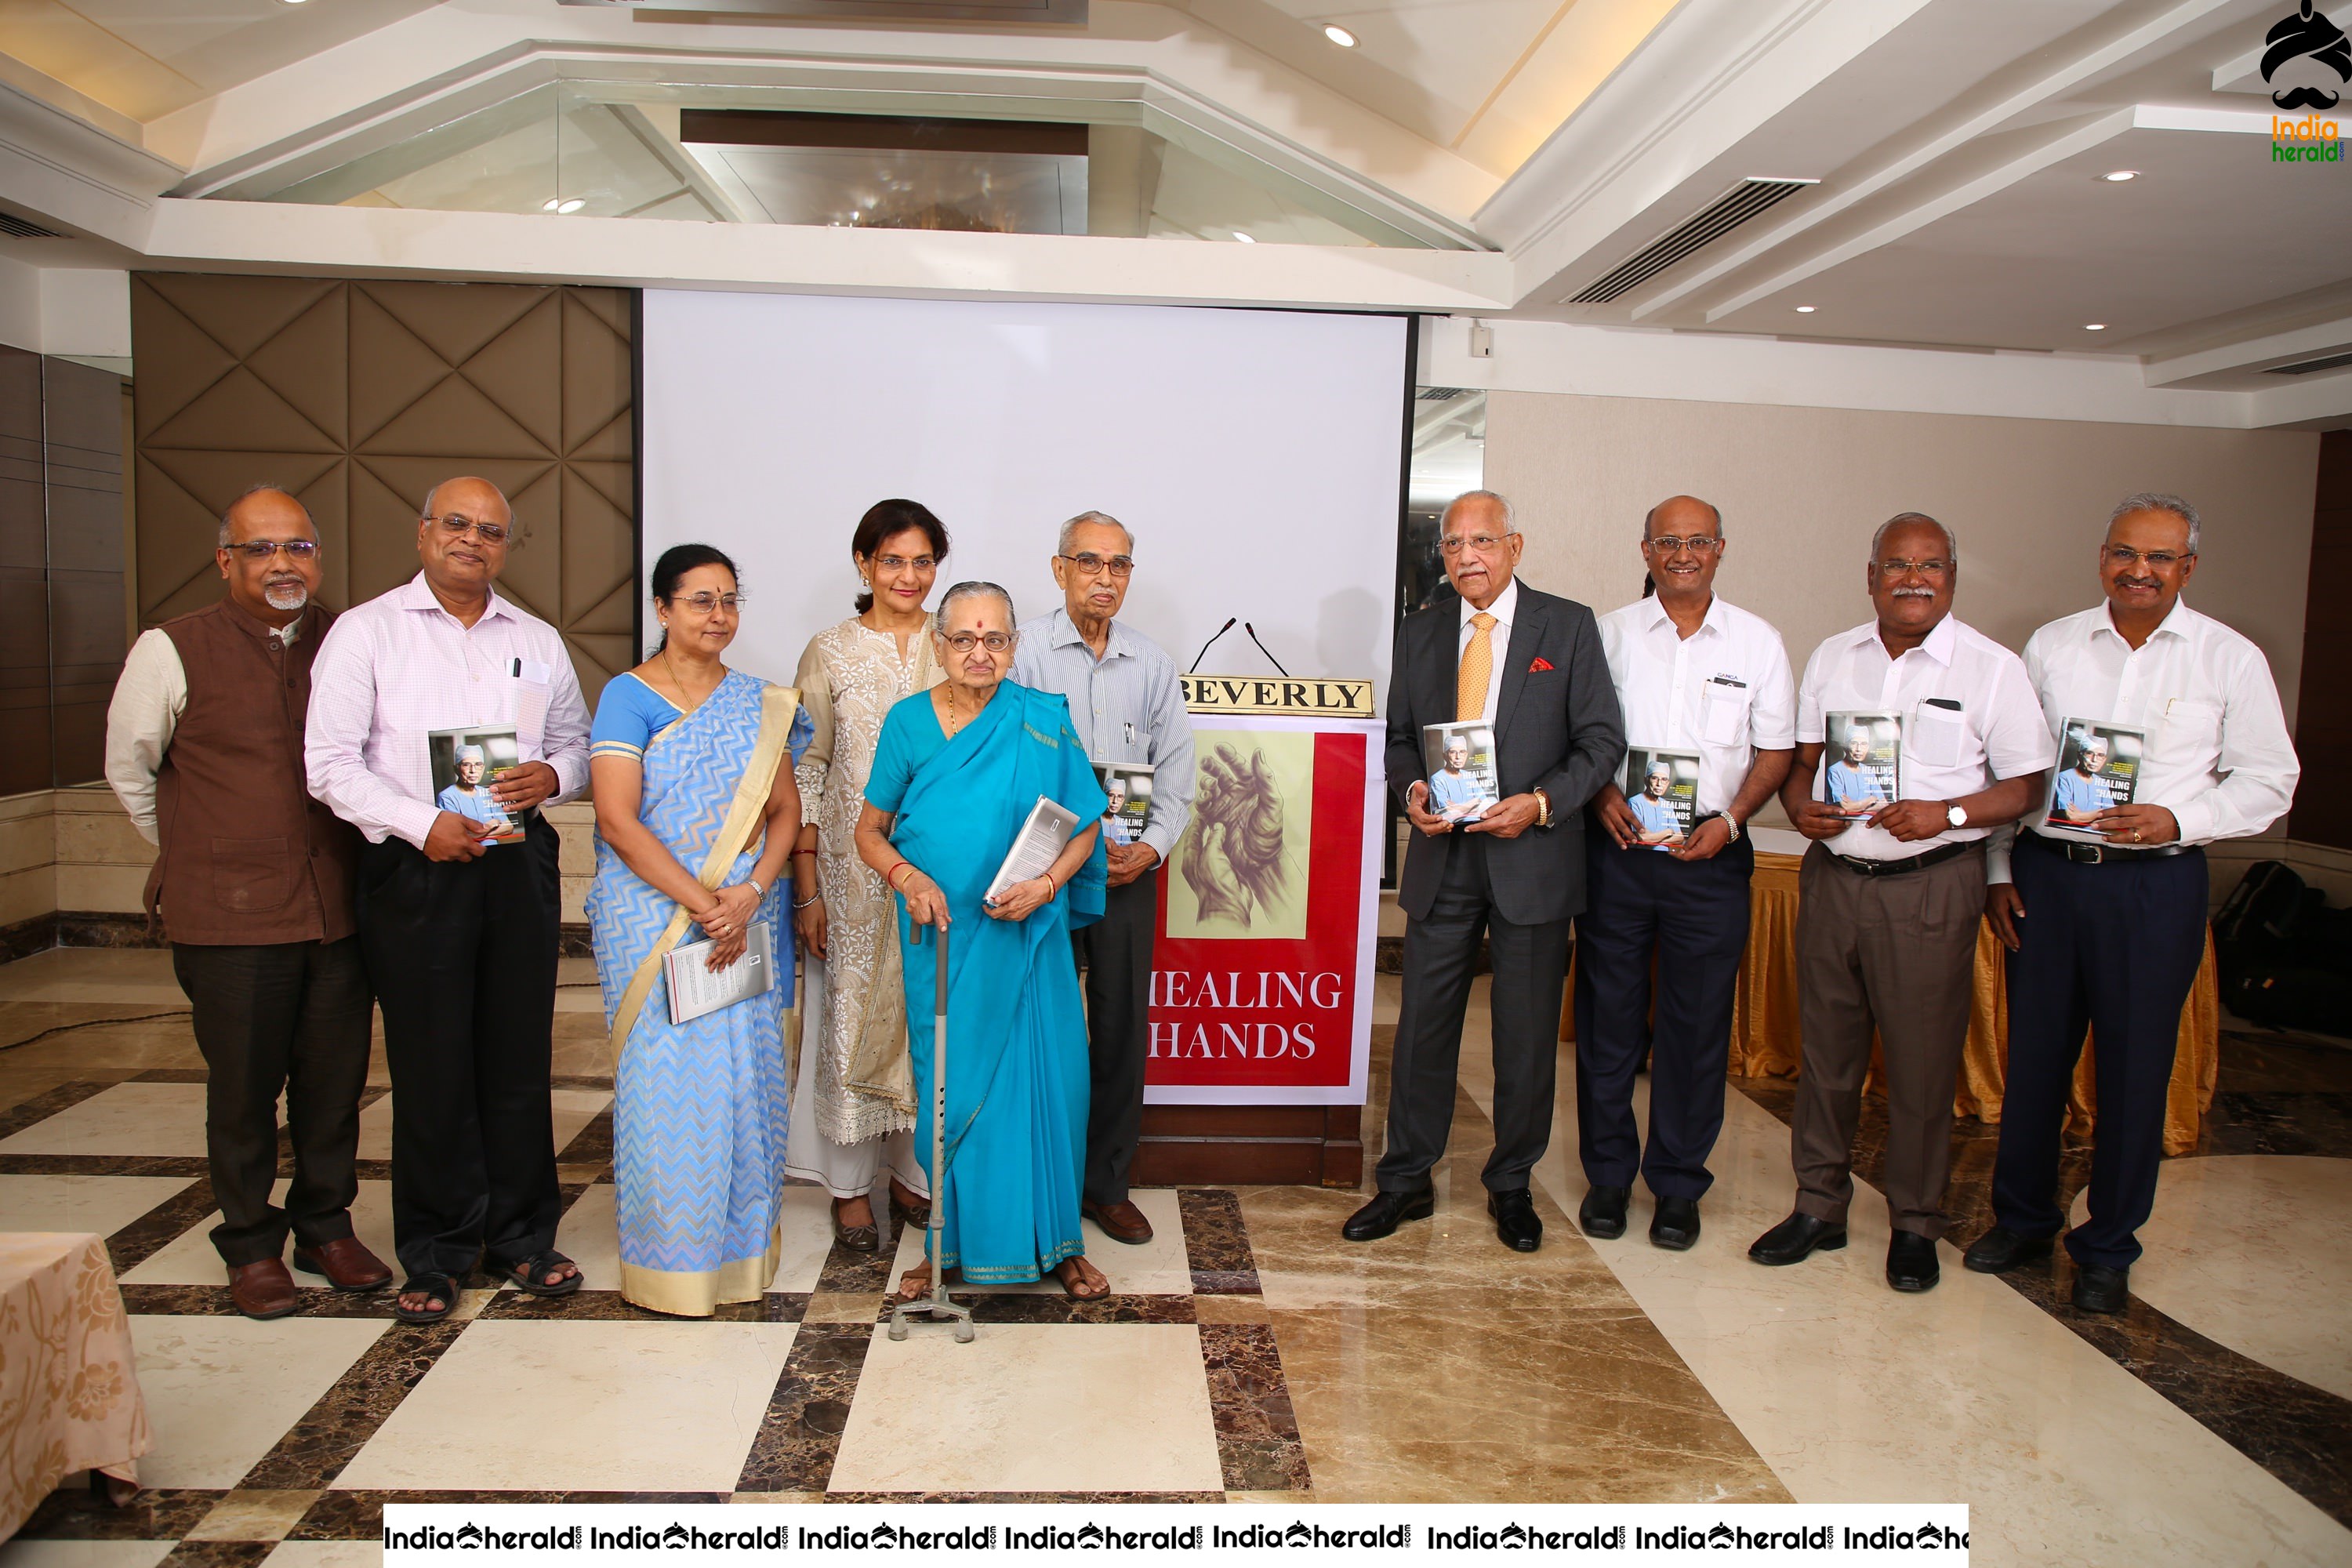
955 774
691 766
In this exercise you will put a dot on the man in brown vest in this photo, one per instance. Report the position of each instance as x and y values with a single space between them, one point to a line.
204 744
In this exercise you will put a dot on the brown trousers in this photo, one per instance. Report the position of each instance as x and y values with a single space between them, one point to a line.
1899 954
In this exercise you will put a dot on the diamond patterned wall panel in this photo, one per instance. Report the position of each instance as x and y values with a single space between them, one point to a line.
359 396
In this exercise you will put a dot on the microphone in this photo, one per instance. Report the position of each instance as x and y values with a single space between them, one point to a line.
1263 649
1211 643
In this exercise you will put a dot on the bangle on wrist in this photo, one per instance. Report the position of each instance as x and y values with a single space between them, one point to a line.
892 877
804 903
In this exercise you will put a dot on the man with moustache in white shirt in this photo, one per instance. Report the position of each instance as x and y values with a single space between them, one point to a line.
1888 906
1701 676
2112 933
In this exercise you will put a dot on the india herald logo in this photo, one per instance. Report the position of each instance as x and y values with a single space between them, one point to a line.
2307 36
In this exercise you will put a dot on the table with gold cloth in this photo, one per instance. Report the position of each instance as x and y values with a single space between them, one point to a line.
1764 1034
68 1393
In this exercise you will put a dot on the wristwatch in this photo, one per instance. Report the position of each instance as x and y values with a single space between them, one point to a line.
1543 809
1955 814
753 883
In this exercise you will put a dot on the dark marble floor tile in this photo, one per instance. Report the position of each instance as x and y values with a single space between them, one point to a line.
1005 1307
217 1553
41 1107
359 1515
611 1306
172 1075
212 1301
1259 1443
161 1225
1216 1243
847 1273
2279 1121
2260 1059
344 1417
593 1144
103 1165
580 1081
801 1433
74 1512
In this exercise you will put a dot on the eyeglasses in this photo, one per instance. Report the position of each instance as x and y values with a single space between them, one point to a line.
1092 565
702 604
2123 557
1484 543
964 642
457 525
1667 544
256 550
900 562
1934 567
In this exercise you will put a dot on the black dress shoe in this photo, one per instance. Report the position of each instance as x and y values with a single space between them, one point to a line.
2001 1250
1911 1264
1675 1226
2098 1288
1386 1212
1796 1238
1515 1219
1601 1215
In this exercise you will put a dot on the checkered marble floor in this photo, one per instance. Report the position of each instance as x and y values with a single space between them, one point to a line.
297 1431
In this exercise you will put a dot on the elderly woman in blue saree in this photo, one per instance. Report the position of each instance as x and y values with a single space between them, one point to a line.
691 766
956 772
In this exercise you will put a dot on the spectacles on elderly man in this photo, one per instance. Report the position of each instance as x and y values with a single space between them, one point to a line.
964 642
2124 557
456 525
1484 543
297 550
1093 564
1667 544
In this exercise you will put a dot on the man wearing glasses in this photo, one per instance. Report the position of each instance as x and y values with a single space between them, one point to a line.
2113 932
1888 903
1529 667
460 938
1695 675
253 884
1129 706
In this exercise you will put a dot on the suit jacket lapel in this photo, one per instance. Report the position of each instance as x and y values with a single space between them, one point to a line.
1518 656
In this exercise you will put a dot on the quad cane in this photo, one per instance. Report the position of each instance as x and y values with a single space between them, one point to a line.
936 1309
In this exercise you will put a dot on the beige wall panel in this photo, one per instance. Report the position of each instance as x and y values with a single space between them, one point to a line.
1802 489
27 893
102 889
27 843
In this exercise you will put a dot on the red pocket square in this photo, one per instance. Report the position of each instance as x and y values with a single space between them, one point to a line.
1539 664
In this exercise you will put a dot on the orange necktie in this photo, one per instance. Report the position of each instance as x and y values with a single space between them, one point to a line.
1477 667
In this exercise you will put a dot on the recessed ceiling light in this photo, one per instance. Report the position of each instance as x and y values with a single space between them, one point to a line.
1339 35
2094 326
550 204
573 206
1805 309
1245 238
2117 176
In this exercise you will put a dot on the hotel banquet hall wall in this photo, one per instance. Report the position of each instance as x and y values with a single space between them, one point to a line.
357 397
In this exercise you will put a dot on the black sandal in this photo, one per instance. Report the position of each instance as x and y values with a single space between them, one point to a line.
525 1275
436 1287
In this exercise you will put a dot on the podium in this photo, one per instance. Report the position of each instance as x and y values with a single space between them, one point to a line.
1262 962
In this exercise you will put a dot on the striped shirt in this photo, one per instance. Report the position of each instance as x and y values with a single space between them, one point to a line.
398 668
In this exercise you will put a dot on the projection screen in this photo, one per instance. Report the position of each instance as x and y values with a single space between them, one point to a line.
1256 454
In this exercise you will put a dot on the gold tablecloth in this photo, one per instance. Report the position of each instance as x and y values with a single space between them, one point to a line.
68 1394
1765 1038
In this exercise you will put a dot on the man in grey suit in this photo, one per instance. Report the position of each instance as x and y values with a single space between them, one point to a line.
1531 666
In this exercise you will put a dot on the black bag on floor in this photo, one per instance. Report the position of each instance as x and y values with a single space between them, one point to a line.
2285 957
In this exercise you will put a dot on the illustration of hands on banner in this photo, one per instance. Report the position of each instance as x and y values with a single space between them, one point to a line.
1233 856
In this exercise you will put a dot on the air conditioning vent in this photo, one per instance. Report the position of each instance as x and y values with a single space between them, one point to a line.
1744 200
26 228
1440 394
2310 367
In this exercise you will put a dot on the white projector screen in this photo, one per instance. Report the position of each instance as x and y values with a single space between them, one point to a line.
1258 456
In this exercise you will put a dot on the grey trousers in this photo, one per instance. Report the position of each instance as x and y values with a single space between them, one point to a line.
1895 954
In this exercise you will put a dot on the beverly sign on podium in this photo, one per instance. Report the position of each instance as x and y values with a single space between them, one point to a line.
1262 972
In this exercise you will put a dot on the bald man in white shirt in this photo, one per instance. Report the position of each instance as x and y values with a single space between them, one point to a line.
2111 932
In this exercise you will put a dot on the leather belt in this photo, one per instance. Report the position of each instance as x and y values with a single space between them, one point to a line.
2101 854
1935 857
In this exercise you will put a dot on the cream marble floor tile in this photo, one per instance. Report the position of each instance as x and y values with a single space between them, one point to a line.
573 1108
324 1554
93 974
1033 1407
222 1391
2234 1238
190 1258
128 1118
581 1406
1968 1393
576 988
588 1237
101 1203
85 1553
1157 1268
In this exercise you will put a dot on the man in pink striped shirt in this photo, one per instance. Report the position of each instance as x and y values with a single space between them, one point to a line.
460 935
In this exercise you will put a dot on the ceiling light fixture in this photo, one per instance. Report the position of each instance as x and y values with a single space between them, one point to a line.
1339 35
1805 309
550 204
2094 326
1245 238
2117 176
573 206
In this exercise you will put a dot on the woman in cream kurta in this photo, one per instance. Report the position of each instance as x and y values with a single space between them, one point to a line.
858 1086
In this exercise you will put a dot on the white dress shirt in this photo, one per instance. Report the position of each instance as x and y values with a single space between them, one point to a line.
149 697
398 668
2217 756
1997 732
1725 693
1498 638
